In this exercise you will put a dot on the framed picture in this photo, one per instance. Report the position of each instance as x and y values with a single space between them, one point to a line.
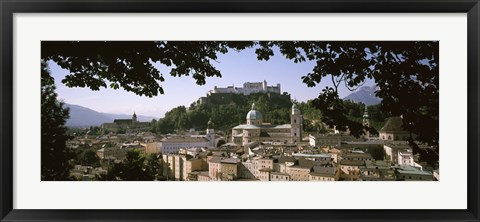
189 111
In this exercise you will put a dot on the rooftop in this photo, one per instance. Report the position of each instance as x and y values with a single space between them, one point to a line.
246 126
215 159
304 163
280 173
322 174
231 160
284 159
266 170
407 169
393 124
319 155
352 162
397 146
183 139
324 170
356 155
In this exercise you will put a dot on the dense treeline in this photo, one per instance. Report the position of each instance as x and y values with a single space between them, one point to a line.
226 111
136 166
356 111
229 110
55 155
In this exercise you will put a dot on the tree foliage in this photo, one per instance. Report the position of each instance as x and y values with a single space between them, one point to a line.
55 155
87 157
406 73
129 65
221 142
402 70
135 167
153 166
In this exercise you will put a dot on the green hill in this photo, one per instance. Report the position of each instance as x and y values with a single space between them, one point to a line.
226 111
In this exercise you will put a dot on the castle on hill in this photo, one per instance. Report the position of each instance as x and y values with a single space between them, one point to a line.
248 88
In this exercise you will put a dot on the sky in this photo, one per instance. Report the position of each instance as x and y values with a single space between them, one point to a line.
236 68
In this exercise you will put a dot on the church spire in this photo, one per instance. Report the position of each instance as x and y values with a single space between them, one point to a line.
134 117
365 114
366 121
210 133
210 124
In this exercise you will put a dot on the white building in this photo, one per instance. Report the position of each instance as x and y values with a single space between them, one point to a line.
392 150
405 156
172 145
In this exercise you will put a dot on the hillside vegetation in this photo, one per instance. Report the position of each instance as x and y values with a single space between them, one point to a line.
229 110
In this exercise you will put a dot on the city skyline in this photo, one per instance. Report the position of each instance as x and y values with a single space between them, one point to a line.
236 68
262 134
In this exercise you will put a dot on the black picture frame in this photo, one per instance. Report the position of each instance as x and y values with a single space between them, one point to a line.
9 7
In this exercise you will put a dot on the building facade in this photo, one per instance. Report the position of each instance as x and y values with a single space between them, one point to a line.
172 145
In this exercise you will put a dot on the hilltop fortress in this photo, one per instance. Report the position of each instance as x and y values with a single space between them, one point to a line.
220 95
248 88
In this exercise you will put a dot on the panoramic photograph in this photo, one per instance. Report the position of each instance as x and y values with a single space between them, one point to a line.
240 111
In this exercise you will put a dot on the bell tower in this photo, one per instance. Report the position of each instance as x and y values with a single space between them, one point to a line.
366 122
210 134
296 119
134 117
366 119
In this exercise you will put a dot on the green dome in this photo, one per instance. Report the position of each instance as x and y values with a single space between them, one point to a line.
254 114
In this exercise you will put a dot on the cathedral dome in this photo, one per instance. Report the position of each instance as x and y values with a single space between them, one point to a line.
253 114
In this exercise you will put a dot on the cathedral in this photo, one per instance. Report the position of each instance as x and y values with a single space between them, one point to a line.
256 131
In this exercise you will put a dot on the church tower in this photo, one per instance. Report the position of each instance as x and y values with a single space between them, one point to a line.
210 134
134 117
366 119
366 122
297 124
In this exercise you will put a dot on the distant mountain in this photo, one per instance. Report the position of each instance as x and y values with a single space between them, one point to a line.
83 117
365 94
